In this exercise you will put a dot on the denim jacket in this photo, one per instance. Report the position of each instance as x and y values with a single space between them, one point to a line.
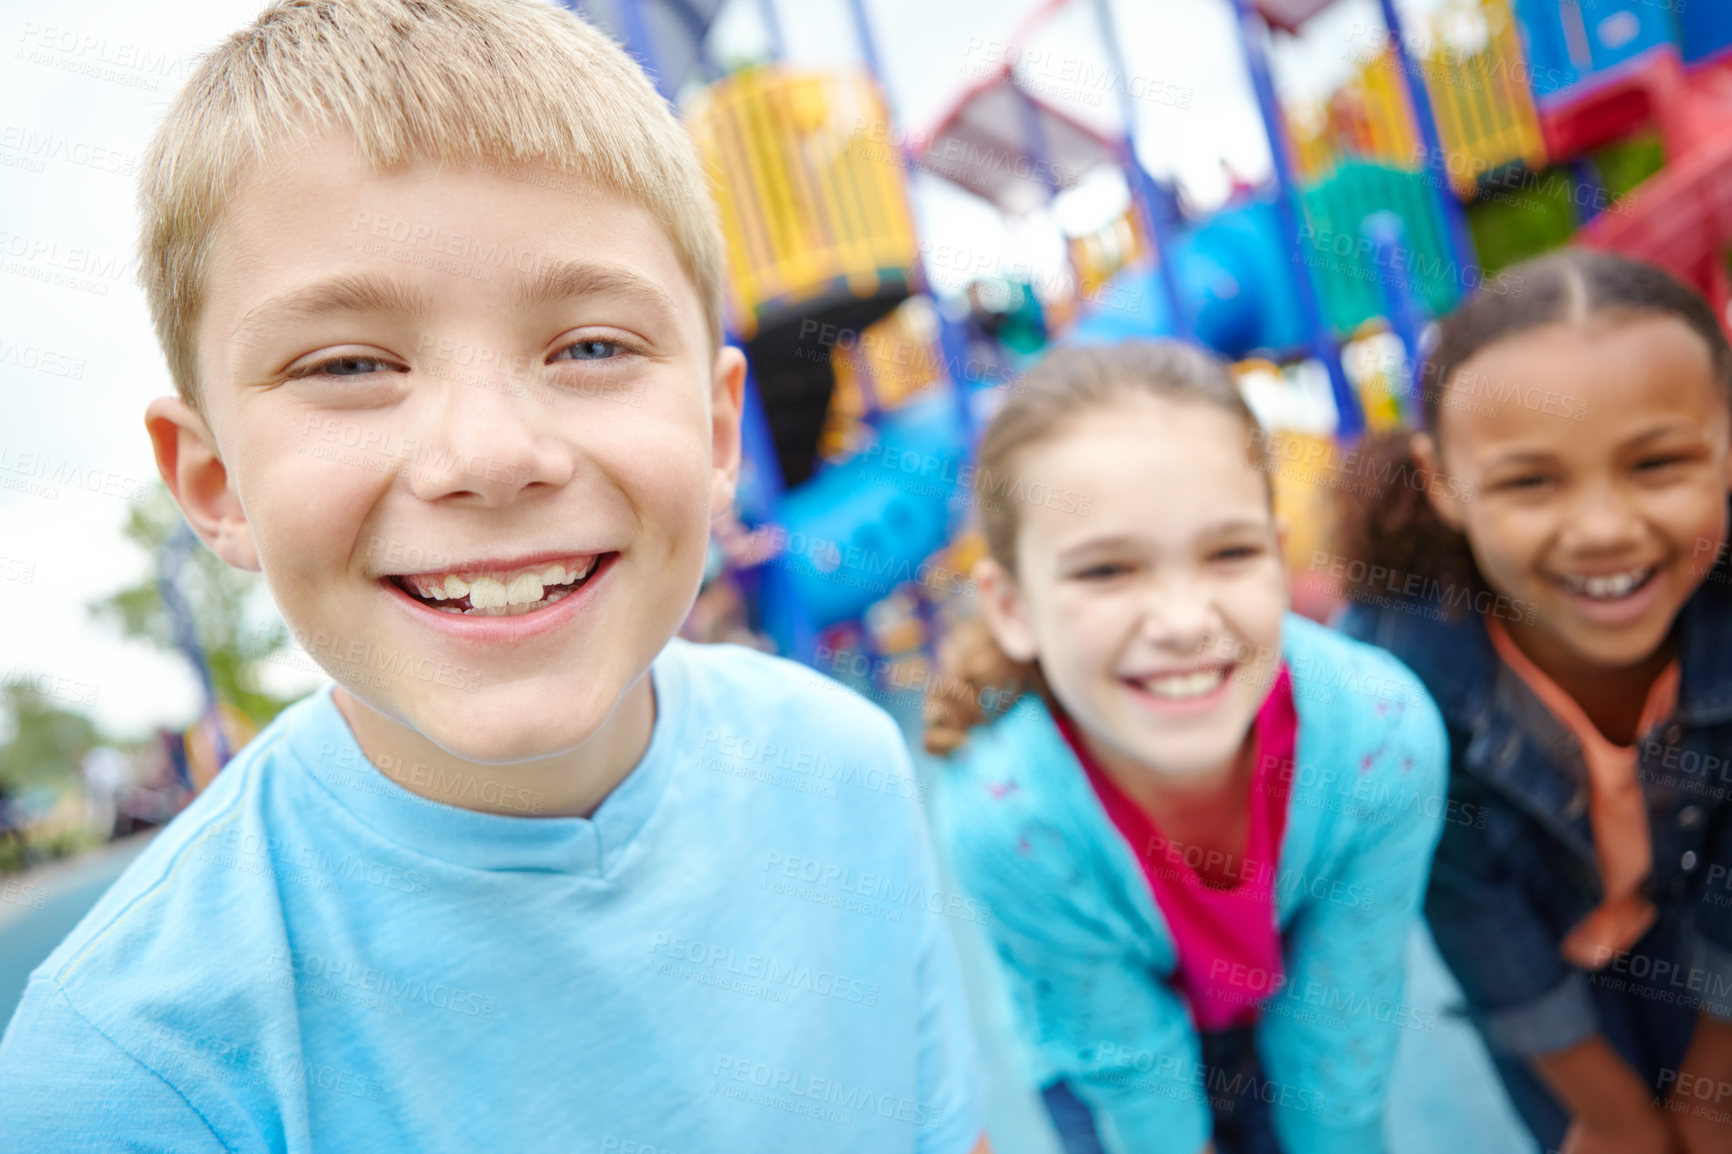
1089 959
1516 870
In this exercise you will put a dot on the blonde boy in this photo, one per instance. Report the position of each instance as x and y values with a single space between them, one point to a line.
439 285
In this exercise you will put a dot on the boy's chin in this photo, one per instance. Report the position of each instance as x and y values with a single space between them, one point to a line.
511 724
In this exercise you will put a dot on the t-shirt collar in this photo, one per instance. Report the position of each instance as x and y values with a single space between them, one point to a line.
323 745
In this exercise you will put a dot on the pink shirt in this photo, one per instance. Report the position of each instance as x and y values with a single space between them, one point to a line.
1228 939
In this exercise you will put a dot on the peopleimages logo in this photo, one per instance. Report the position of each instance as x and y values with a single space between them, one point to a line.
780 1079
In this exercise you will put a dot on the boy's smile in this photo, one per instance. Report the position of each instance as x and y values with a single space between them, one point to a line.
470 424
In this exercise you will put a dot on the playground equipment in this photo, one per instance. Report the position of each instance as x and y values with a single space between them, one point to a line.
1485 110
819 234
211 733
1549 82
861 408
810 169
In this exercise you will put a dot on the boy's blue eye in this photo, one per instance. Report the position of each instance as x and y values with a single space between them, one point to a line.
351 366
589 350
1100 572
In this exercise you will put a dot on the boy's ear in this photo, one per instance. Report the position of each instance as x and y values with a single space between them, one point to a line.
727 401
1444 499
186 456
1001 607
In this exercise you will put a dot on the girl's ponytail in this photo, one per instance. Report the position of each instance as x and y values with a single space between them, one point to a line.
975 678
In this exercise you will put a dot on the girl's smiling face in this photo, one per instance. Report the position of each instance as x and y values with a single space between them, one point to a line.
1156 617
1606 524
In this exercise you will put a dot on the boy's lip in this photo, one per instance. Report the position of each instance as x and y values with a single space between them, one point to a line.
490 630
503 564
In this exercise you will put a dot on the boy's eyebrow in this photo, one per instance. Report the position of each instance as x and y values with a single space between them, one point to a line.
568 279
369 293
345 292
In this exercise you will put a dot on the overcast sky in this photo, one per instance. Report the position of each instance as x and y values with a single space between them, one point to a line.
83 85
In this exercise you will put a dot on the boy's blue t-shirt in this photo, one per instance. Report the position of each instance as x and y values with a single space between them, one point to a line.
745 948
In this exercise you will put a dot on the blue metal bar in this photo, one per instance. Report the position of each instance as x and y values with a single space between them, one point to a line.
1461 249
171 558
1588 182
639 42
1351 421
1387 233
769 586
773 28
869 51
1143 187
758 447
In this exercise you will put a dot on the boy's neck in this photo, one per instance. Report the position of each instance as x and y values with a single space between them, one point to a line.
570 784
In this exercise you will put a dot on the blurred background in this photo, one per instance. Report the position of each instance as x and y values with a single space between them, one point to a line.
918 198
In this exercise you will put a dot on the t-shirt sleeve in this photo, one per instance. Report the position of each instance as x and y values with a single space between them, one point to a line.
951 1084
64 1085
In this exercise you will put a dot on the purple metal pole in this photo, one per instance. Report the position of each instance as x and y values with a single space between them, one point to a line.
638 40
1461 249
772 26
869 50
1142 184
1351 421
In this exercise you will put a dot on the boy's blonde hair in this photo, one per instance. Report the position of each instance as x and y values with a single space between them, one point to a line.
464 81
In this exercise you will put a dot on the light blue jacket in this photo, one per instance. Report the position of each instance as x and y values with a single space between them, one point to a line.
1088 957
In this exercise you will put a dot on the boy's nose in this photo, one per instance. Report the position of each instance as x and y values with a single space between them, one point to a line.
484 440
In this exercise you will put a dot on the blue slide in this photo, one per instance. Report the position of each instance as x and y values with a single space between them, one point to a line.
1233 278
859 529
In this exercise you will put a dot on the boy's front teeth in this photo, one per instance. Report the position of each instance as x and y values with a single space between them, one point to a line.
498 594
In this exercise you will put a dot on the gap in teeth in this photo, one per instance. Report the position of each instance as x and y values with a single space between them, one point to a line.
516 610
487 591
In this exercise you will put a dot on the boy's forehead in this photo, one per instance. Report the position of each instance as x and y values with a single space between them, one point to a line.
315 226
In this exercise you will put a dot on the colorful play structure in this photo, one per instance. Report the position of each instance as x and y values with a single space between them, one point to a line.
1502 127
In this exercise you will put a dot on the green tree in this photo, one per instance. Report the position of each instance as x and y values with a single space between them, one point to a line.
217 594
45 742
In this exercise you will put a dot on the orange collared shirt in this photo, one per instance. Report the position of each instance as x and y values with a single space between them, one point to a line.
1617 809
